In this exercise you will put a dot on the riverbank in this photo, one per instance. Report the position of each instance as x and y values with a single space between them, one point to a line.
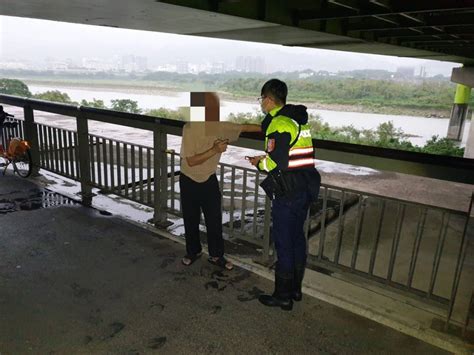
388 110
164 88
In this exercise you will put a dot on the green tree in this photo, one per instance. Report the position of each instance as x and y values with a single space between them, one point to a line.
14 87
387 134
125 105
94 103
181 114
55 96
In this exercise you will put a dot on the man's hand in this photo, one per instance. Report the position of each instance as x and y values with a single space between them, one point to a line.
220 145
255 160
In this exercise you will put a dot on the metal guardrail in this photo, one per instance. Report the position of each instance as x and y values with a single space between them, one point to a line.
405 245
348 230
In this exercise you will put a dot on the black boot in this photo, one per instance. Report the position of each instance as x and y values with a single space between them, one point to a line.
282 295
297 295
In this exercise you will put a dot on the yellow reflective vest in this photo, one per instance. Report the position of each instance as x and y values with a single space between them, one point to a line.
300 149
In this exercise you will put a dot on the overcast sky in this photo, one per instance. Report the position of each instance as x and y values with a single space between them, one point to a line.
34 40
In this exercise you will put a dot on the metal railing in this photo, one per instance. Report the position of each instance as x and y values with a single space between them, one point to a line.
406 245
348 230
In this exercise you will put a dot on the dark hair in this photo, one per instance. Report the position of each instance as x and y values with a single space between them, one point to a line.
276 89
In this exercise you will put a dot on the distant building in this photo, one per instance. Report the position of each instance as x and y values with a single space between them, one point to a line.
422 72
194 68
182 67
250 64
306 74
405 72
141 63
13 65
55 64
166 67
95 64
132 63
217 68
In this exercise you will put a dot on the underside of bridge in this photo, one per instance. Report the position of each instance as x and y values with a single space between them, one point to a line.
435 29
425 29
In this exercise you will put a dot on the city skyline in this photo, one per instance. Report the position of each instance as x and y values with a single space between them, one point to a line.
73 42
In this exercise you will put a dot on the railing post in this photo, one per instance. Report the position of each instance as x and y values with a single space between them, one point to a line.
31 135
266 259
84 159
468 289
160 183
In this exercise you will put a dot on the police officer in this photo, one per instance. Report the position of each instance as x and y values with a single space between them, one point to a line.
292 183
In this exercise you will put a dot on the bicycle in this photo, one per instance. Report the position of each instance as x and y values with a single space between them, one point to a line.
17 153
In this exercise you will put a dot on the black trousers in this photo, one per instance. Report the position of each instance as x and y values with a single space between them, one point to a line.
204 196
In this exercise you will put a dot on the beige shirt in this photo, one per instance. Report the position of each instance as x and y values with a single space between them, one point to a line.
199 137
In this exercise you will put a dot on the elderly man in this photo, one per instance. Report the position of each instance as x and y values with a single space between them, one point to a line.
205 138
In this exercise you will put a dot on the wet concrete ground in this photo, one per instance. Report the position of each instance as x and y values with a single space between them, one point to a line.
75 281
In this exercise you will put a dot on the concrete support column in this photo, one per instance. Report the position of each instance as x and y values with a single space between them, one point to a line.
469 150
160 186
31 135
82 150
459 112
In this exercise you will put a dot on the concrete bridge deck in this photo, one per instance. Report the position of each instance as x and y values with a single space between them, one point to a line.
74 281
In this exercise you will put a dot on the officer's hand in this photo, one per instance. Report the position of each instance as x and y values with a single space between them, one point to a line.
255 160
220 145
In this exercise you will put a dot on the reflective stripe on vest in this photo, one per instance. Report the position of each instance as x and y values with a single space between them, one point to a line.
301 151
301 156
265 166
299 163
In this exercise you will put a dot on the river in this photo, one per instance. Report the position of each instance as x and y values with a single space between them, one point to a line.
421 128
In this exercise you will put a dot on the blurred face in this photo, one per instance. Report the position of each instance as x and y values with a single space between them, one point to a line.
212 107
266 103
204 107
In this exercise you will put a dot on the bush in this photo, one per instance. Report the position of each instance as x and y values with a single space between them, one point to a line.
125 105
95 103
14 87
443 146
55 96
181 114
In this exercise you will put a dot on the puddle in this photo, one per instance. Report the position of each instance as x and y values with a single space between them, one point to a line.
32 200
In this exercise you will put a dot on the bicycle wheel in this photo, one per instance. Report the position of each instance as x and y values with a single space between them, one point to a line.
3 164
22 164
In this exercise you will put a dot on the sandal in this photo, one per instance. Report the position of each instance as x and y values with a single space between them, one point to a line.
221 262
187 260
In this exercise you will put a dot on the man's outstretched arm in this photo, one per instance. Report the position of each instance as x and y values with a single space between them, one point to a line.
251 128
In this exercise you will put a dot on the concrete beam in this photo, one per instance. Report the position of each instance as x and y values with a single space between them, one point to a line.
464 76
244 20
